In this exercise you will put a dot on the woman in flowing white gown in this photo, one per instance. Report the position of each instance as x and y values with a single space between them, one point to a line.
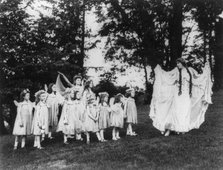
180 98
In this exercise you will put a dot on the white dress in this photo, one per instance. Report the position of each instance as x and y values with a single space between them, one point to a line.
53 101
78 88
117 116
180 113
67 120
91 125
40 121
161 106
88 94
104 119
201 96
131 111
24 116
182 105
79 110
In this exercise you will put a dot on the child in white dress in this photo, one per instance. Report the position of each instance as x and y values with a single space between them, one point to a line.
40 120
91 119
104 112
88 93
23 122
130 111
67 120
54 100
79 114
117 116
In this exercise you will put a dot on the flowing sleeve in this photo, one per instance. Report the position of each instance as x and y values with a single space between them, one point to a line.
163 94
202 83
201 96
157 82
163 79
60 87
209 84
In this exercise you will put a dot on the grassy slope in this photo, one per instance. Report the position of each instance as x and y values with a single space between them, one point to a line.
199 149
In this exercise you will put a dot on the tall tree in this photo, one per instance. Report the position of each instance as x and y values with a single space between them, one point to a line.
175 31
129 27
218 53
14 45
206 14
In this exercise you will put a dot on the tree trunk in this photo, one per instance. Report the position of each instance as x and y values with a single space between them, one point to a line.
149 87
175 32
210 52
218 55
2 126
83 35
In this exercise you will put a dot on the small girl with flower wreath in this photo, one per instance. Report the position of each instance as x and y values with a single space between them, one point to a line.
40 125
104 114
90 124
130 111
23 122
117 116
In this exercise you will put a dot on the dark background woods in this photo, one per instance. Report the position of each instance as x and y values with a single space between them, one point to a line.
33 50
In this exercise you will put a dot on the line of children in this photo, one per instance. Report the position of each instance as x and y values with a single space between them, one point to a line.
82 113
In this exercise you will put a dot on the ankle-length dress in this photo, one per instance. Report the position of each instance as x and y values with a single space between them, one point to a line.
67 120
41 119
91 119
24 116
53 101
180 112
79 110
104 117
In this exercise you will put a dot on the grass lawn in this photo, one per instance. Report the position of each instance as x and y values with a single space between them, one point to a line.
198 149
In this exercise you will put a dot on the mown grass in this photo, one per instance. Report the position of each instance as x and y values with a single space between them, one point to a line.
198 149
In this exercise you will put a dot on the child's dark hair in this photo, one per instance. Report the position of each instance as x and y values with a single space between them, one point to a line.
102 99
23 94
50 90
75 78
118 98
128 94
75 95
87 85
180 79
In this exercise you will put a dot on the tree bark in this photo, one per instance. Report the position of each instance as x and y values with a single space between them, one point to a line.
83 35
175 32
218 55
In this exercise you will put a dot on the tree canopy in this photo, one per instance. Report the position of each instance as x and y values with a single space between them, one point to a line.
140 33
